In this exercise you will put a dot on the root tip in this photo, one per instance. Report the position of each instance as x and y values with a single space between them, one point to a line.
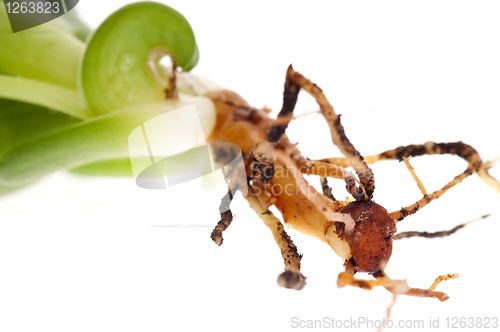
292 280
217 239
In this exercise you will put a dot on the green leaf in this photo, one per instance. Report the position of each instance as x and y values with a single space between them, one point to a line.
116 167
97 139
44 53
74 24
21 123
115 78
43 94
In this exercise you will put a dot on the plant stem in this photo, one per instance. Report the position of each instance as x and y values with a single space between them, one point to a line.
93 140
44 94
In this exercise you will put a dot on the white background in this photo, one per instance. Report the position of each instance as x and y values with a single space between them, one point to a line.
82 254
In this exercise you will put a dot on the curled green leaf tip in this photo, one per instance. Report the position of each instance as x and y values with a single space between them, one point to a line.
114 71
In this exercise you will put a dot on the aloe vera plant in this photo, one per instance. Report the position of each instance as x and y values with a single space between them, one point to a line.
76 102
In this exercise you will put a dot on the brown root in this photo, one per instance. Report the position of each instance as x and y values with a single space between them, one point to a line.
405 235
226 217
338 134
361 232
397 287
313 195
292 277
